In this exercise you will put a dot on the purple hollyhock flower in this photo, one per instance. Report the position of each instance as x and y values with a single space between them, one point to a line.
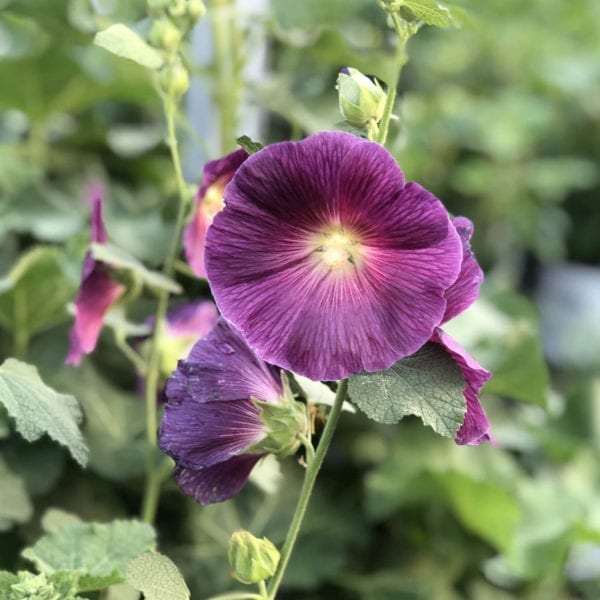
226 409
97 292
209 201
460 295
326 261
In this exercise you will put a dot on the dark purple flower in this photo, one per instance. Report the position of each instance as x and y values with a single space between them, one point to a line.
97 292
209 201
326 261
460 295
216 422
475 427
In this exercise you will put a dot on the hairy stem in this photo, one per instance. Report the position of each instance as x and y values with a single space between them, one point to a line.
153 480
307 487
401 59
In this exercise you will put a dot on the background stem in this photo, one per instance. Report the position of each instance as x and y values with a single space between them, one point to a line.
307 487
153 481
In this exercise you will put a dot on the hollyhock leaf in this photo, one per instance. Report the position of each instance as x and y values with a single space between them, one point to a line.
100 552
249 145
427 384
37 291
38 409
125 42
218 482
157 577
120 259
15 506
430 12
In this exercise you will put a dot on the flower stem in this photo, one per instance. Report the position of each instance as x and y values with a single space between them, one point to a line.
262 588
307 487
153 480
401 59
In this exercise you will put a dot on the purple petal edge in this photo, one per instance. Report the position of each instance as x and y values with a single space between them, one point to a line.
475 427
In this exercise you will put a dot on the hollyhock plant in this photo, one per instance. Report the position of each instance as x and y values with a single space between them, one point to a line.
97 292
226 409
326 261
209 201
459 296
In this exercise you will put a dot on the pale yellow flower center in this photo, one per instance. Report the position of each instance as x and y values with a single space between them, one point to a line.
212 203
337 249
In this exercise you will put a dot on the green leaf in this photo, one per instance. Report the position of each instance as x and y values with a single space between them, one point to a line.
34 295
99 552
484 507
125 42
38 409
115 424
157 577
56 518
428 384
249 145
7 580
120 259
430 12
15 506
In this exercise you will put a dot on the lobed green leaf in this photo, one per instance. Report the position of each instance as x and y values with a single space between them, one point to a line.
157 577
430 12
427 384
38 409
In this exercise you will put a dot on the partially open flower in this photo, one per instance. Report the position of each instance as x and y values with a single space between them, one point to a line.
226 409
97 292
326 261
209 201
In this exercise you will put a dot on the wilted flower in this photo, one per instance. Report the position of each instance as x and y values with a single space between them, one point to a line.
226 409
97 292
209 201
459 296
326 261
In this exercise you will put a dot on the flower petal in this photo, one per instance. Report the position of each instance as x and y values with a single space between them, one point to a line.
97 292
217 174
200 436
475 428
465 290
293 312
219 482
222 367
192 318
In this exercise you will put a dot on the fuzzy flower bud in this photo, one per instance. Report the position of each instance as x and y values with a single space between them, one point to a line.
33 587
252 559
362 99
165 35
195 9
174 80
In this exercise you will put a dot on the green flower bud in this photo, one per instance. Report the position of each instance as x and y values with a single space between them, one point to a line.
155 6
177 8
164 35
362 100
251 559
33 587
174 80
195 9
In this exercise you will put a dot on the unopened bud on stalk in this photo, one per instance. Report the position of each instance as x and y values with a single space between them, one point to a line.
362 99
252 559
178 8
195 9
165 35
174 80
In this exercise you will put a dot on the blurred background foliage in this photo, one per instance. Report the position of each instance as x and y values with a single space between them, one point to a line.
499 117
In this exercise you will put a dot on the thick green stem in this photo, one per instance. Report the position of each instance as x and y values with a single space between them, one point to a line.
401 59
228 86
153 479
307 487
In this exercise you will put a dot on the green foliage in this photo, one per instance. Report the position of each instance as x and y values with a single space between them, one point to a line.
428 384
125 42
248 144
313 13
430 12
37 409
157 577
15 506
98 552
36 292
120 259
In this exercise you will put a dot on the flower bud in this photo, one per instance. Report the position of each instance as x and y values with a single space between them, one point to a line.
251 559
157 5
165 35
33 587
174 80
177 8
195 9
362 100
